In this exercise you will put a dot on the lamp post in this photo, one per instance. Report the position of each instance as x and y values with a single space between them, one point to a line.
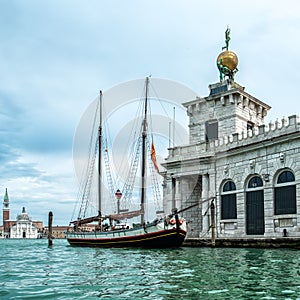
118 196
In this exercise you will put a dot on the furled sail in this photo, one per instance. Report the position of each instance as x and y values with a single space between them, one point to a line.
87 220
126 215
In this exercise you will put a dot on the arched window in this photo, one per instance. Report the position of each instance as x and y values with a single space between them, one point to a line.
229 186
228 201
255 182
285 194
286 176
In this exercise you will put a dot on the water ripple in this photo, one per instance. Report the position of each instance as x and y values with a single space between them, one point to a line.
29 269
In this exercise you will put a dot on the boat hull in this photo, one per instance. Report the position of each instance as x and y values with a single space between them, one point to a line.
150 237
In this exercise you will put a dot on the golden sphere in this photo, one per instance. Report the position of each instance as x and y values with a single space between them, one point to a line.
229 59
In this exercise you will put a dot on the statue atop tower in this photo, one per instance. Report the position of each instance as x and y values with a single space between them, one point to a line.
227 60
227 38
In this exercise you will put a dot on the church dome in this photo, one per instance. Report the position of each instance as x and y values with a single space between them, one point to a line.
228 59
23 216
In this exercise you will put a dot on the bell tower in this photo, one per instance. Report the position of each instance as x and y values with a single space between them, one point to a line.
6 214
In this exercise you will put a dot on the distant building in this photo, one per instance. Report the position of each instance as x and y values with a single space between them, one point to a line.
58 232
23 227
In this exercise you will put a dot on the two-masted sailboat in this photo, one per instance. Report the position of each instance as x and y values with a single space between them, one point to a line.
163 232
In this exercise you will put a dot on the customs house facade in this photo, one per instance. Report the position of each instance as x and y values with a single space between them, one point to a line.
248 169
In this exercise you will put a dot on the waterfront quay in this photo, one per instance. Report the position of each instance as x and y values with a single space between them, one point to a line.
284 242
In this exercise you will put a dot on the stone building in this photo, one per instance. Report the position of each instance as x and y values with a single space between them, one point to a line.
22 227
248 169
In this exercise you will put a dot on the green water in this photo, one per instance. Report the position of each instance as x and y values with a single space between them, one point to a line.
29 269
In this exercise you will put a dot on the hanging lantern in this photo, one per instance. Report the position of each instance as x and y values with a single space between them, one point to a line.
118 194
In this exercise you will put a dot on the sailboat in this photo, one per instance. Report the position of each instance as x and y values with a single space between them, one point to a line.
167 231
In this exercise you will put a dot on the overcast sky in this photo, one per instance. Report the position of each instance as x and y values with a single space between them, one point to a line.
56 55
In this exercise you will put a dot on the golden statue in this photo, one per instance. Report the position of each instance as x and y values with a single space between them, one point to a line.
227 60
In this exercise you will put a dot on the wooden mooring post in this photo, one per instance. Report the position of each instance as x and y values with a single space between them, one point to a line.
50 219
213 223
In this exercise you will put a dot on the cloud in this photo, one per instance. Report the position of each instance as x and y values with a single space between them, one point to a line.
56 55
17 169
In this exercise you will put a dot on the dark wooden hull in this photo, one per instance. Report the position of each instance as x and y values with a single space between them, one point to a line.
169 238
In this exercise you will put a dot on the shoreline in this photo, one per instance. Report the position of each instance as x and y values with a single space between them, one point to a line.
284 242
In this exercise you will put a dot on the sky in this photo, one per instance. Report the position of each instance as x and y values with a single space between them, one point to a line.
56 55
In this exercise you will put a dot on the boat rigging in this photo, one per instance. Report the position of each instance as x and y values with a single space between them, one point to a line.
169 231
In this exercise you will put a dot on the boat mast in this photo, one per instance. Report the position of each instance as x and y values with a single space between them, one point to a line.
144 136
100 156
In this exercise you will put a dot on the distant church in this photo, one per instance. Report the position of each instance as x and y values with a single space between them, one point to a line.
22 228
242 174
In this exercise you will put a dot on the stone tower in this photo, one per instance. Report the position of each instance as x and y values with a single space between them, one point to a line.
6 214
194 171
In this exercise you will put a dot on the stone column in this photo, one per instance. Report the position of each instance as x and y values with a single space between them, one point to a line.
205 204
178 193
184 183
167 195
212 185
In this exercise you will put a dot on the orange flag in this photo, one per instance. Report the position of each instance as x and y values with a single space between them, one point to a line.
153 156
